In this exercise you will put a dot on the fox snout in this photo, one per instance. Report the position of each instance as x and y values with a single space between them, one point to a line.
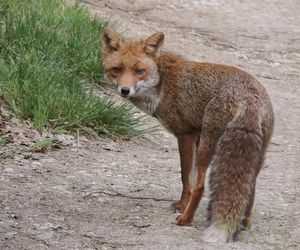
125 91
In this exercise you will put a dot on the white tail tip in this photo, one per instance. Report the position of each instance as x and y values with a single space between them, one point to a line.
215 234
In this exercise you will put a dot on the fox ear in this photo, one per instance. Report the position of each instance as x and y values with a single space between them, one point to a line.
110 40
153 43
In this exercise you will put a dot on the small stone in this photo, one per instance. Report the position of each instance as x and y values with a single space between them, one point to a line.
46 235
35 157
101 200
10 234
48 160
9 170
36 163
90 234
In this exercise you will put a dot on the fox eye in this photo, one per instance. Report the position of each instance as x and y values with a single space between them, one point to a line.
139 71
116 70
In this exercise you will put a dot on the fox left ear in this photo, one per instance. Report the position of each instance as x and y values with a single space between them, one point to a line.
153 43
110 40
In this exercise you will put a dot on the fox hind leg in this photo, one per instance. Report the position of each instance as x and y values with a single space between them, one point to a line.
202 162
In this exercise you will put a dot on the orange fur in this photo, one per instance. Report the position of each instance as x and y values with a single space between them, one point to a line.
221 116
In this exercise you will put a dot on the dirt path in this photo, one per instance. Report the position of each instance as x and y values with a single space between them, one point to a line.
102 194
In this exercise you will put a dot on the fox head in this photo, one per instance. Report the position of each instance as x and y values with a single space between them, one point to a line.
130 66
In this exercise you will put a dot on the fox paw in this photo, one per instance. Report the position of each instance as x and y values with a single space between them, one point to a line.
246 224
183 220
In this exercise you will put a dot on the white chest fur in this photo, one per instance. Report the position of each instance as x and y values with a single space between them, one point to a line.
148 103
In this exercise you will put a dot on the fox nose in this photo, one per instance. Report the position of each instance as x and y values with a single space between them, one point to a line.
125 90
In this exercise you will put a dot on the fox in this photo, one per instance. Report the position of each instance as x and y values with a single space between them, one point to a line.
221 116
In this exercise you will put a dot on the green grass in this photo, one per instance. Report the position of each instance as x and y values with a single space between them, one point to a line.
50 62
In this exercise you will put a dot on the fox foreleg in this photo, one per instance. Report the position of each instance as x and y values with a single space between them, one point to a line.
188 146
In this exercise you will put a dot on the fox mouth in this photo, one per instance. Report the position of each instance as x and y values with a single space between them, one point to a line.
126 97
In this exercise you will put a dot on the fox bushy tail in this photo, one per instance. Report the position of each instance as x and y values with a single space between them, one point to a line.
236 163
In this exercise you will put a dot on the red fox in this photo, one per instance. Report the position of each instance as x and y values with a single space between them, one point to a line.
221 116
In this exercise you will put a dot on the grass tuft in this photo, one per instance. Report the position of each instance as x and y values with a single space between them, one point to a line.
41 146
50 62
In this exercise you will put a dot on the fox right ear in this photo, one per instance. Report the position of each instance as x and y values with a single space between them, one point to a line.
110 40
153 43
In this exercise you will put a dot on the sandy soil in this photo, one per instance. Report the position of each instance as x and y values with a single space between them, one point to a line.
103 194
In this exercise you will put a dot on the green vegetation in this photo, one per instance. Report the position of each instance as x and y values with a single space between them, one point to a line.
2 141
50 63
41 146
